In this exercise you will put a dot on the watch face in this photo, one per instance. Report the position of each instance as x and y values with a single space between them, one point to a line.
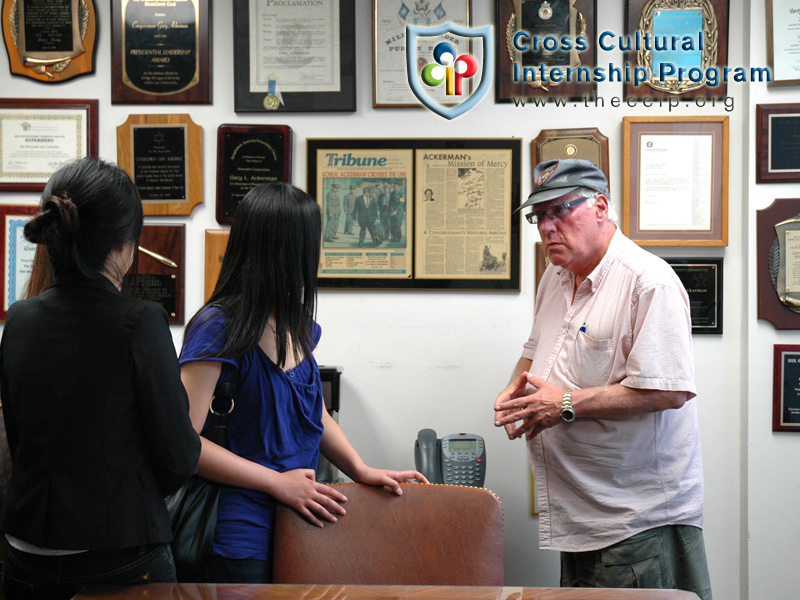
568 415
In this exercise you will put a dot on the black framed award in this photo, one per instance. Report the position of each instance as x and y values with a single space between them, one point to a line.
161 52
702 279
786 388
50 41
249 155
298 58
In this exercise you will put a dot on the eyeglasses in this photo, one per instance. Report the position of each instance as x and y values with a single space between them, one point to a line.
557 211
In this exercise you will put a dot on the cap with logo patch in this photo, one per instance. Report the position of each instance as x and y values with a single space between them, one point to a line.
556 178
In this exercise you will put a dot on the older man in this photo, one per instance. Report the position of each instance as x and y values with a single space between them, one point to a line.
604 395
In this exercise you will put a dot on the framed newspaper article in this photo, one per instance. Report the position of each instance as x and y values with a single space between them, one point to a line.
418 213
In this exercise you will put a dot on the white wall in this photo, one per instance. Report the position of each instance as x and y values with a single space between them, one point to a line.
438 359
773 486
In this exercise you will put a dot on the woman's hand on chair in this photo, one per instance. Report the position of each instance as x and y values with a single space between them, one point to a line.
390 480
311 499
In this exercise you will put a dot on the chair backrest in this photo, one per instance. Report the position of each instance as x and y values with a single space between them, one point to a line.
431 535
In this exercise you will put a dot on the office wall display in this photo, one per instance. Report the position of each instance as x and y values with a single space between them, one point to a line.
38 135
778 143
17 253
298 58
691 35
390 87
702 278
778 263
426 213
531 68
675 180
164 155
161 273
783 46
586 144
216 244
50 41
161 52
249 155
786 388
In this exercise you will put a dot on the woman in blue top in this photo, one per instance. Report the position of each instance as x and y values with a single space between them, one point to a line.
261 317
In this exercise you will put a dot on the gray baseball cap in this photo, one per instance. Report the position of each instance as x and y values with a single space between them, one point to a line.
556 178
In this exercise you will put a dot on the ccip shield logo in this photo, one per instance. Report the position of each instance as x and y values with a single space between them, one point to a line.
448 69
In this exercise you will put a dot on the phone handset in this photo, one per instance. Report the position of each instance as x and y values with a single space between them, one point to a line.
426 455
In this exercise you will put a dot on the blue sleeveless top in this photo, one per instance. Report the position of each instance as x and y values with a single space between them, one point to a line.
276 422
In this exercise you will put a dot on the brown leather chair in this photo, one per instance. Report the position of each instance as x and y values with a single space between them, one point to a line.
431 535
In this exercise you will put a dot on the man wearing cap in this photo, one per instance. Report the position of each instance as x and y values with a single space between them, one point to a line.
604 394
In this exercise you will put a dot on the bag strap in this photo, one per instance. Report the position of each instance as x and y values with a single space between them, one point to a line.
220 409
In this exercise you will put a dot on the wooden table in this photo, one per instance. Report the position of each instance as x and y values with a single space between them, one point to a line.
191 591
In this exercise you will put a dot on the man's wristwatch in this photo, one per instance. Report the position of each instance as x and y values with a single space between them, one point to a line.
567 412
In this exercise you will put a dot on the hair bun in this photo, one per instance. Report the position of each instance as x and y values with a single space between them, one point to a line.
57 219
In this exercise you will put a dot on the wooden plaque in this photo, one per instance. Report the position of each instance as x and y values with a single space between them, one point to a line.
160 52
777 145
50 41
587 144
510 18
164 155
770 308
160 275
216 244
785 389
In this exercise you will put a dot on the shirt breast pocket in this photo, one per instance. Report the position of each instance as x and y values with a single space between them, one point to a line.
591 361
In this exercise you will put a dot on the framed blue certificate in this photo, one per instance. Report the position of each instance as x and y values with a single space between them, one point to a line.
17 253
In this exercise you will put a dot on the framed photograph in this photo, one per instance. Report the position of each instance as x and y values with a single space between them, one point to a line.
786 388
17 253
216 244
417 213
526 71
50 42
700 30
161 52
390 87
675 180
164 155
161 273
38 135
783 21
587 144
778 263
248 155
294 56
777 143
702 278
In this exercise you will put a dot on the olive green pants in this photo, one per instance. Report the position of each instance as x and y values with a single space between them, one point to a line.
670 557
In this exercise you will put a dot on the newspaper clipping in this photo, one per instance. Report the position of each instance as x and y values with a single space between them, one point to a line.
366 212
463 214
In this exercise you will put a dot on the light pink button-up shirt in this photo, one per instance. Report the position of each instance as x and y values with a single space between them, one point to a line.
601 481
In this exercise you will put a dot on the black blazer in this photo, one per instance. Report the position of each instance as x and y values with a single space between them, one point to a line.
97 419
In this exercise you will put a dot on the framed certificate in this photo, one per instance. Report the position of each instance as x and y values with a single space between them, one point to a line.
294 56
17 253
786 388
50 41
675 180
587 144
702 278
526 70
390 88
693 36
38 135
777 143
249 155
783 45
417 213
161 52
164 155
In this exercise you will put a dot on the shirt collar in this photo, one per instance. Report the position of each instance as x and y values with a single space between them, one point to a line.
100 283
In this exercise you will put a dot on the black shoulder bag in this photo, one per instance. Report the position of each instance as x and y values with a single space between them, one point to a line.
193 508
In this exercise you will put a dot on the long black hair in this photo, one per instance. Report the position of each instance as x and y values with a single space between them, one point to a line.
270 267
88 208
